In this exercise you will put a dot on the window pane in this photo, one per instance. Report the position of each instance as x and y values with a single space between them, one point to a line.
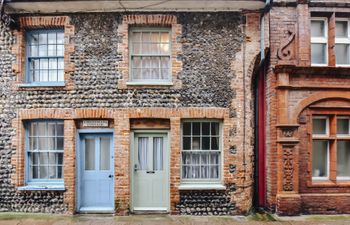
205 128
52 38
33 39
42 50
136 48
60 38
59 158
164 49
143 153
155 37
33 143
59 129
164 37
60 50
136 36
60 64
214 129
215 143
186 158
33 51
89 154
136 74
52 174
105 153
60 75
34 172
342 126
196 143
51 143
341 29
158 153
186 128
43 38
186 143
342 53
320 159
343 158
51 129
59 172
205 143
319 126
214 172
51 50
43 172
43 158
318 53
136 62
317 28
196 128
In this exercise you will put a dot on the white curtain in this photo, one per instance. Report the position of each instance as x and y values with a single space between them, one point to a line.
142 152
158 153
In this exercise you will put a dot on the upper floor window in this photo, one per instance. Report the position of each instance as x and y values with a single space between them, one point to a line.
319 41
342 42
201 151
44 152
45 56
331 147
150 55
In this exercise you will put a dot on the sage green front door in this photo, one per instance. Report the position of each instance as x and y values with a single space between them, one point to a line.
150 172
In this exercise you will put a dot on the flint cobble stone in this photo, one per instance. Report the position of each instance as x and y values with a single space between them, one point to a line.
209 44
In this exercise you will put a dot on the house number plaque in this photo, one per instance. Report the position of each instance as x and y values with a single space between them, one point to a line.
95 123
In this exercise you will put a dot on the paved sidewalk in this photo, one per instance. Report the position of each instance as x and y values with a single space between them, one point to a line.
45 219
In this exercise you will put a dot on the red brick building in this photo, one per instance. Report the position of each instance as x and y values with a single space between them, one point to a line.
307 107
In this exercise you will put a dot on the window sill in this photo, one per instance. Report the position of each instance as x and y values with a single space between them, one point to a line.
149 83
204 186
46 84
48 187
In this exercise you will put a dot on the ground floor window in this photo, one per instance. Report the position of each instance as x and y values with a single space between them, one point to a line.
44 151
331 147
201 151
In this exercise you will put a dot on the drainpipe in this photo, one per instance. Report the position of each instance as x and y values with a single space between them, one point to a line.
260 173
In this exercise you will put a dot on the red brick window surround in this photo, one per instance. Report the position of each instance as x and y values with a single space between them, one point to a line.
152 22
329 145
49 23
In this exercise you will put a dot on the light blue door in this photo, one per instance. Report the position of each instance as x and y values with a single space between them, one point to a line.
96 189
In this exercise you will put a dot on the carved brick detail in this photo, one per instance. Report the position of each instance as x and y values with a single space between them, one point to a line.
288 168
285 51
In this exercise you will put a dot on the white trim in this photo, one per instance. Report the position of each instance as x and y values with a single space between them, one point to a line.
150 83
328 165
343 40
150 209
326 135
320 40
204 186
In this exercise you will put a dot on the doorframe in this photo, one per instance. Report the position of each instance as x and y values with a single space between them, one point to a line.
78 161
132 152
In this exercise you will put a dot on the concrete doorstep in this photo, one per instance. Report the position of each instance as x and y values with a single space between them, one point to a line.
253 219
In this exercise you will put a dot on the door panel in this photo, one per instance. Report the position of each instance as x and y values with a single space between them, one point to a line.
150 184
96 190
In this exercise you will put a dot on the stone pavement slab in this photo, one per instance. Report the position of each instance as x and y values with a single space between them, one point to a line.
48 219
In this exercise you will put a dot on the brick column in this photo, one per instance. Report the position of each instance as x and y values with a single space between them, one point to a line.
175 161
303 45
69 164
288 198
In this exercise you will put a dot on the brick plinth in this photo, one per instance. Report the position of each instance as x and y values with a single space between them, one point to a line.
288 204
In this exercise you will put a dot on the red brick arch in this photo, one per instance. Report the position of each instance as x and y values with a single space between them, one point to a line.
316 98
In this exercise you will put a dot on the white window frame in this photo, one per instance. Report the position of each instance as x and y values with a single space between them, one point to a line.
39 181
340 136
320 40
328 163
343 135
319 137
344 40
202 183
164 82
